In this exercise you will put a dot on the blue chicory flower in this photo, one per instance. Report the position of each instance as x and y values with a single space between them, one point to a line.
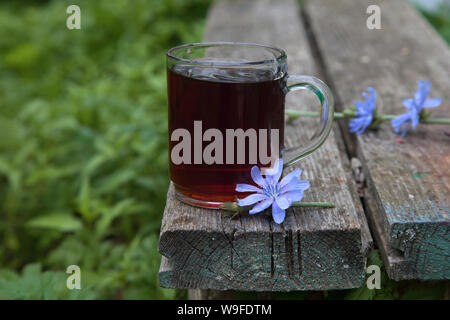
415 106
364 112
279 195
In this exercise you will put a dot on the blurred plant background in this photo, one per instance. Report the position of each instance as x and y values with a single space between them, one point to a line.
83 147
437 13
83 144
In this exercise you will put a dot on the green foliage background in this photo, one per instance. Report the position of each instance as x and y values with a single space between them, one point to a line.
83 144
83 147
439 19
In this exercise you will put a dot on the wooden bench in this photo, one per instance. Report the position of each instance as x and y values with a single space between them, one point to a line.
408 184
323 249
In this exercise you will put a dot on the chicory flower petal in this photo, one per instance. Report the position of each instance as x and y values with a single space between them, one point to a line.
415 106
364 112
271 192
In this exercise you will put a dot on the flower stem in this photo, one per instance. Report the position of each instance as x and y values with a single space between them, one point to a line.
435 121
234 207
295 113
313 204
348 114
385 117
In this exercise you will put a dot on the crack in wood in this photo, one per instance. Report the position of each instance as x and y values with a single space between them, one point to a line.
289 253
299 254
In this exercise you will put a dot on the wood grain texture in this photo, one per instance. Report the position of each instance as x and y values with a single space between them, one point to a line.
408 196
313 249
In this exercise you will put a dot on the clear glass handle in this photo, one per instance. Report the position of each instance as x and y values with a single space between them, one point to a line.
321 90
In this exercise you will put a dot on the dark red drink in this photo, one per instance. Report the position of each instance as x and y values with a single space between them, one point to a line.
221 99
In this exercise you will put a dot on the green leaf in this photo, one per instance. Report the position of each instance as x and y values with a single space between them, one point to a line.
124 207
362 293
374 258
57 221
22 56
84 201
51 173
114 181
27 286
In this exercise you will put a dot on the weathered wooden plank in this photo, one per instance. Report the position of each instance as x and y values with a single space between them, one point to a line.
314 249
408 198
165 273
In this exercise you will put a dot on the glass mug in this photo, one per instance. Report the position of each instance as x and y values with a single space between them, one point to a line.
226 114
